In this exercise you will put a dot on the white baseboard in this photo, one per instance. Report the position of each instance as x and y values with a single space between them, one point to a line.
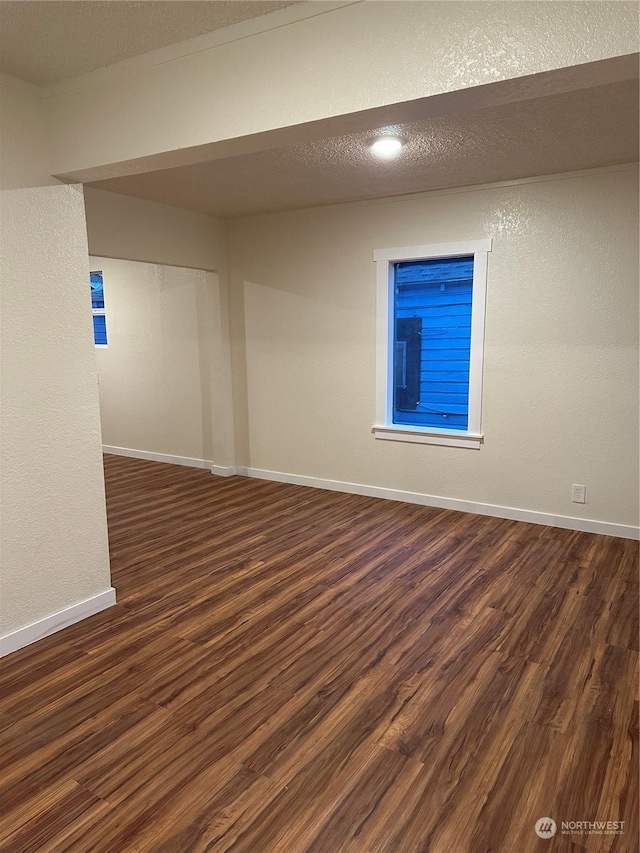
568 522
223 470
532 516
159 457
50 624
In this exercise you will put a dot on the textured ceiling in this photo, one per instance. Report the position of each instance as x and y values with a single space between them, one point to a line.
580 130
43 41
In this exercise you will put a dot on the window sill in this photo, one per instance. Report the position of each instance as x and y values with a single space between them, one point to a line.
416 435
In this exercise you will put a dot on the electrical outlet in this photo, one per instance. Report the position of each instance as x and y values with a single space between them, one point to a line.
578 494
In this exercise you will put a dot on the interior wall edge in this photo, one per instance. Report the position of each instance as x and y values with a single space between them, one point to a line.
29 634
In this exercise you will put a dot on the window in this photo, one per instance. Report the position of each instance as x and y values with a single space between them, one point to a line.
430 343
97 306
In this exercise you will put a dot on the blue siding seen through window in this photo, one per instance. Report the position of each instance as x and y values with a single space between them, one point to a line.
97 306
97 291
99 329
432 322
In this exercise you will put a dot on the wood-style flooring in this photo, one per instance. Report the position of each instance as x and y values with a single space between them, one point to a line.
292 670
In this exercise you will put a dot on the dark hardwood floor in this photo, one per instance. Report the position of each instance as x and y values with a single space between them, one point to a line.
292 670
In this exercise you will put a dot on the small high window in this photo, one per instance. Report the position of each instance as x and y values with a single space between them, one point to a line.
430 342
97 307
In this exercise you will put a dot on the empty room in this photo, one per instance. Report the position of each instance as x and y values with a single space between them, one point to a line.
319 426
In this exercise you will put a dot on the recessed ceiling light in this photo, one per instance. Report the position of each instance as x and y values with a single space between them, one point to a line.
387 147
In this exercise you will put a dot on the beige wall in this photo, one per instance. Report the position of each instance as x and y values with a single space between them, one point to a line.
52 517
54 537
561 370
24 155
138 230
194 331
157 374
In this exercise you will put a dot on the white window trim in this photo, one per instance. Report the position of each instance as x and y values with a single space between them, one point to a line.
384 427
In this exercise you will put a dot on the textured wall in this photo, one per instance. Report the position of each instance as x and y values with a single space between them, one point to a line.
561 370
53 523
156 372
355 58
